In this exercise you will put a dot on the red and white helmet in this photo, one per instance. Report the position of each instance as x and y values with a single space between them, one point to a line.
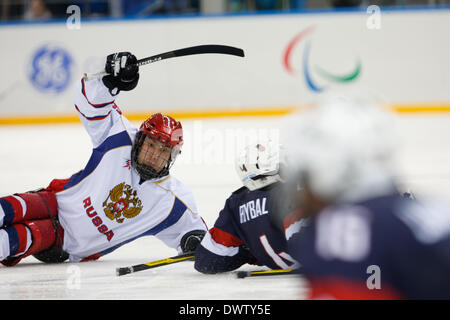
164 129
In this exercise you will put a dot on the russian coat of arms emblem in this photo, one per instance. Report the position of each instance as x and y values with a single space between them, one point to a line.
122 202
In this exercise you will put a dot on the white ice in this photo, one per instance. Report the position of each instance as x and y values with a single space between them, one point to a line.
31 156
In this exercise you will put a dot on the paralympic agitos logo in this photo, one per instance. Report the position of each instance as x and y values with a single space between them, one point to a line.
322 78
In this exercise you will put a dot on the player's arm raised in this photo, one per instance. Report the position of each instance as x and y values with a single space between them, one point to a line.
95 99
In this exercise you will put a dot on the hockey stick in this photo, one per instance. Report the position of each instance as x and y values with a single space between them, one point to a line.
154 264
245 274
207 48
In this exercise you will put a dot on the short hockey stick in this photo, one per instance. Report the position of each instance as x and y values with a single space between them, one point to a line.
154 264
207 48
245 274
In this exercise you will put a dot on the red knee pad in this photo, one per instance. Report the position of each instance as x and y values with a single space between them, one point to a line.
40 205
43 233
43 236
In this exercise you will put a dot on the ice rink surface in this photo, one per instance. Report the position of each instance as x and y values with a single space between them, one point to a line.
31 156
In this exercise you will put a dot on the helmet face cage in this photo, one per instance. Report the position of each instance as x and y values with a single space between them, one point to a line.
145 171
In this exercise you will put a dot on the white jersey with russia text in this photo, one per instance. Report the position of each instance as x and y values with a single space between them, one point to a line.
107 204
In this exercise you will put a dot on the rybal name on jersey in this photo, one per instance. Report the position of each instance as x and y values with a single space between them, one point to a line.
96 220
252 209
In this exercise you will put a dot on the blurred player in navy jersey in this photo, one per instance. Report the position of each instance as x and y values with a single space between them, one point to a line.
246 230
365 240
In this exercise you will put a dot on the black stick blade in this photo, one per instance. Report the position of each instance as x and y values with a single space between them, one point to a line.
202 49
210 48
123 270
187 256
206 48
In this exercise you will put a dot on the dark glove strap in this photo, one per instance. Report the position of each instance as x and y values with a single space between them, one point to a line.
191 240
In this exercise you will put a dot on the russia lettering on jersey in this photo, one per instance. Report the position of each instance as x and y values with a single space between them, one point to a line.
107 204
96 220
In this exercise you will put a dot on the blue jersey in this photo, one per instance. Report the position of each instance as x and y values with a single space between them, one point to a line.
244 232
387 247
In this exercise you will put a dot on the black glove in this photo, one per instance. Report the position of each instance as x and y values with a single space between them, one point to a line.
123 72
247 257
191 240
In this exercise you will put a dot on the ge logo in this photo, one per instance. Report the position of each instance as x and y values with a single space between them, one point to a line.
51 68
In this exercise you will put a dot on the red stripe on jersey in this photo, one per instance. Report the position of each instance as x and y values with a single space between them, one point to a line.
92 257
101 105
206 226
330 288
92 118
22 235
57 185
115 107
293 217
17 208
224 238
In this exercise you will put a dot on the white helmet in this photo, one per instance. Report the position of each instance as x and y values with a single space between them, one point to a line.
258 165
343 150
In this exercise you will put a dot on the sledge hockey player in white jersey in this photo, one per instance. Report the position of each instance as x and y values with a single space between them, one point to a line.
123 193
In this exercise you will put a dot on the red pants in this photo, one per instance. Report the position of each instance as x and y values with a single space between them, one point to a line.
35 211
